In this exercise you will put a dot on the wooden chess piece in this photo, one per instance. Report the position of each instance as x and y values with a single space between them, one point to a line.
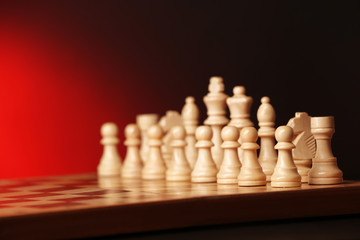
190 115
172 118
239 105
154 168
304 142
230 167
180 169
266 118
251 173
144 121
285 172
132 165
215 102
324 165
205 169
110 162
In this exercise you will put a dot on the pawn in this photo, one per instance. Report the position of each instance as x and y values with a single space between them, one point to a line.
133 163
251 173
205 169
154 168
110 162
144 121
324 169
180 169
285 172
230 167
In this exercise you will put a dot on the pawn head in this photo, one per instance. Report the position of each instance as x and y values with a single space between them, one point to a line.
230 133
189 99
248 134
178 132
239 90
284 134
109 129
265 100
132 131
155 132
203 133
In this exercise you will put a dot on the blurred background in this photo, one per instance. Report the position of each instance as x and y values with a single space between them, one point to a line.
66 67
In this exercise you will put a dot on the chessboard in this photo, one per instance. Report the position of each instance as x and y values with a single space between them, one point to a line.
87 206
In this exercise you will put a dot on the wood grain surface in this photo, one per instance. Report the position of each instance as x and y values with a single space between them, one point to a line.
85 206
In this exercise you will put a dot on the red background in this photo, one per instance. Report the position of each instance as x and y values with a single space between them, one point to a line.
67 67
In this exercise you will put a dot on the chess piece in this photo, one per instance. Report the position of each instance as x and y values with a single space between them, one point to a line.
239 105
215 102
266 118
171 119
190 115
304 142
205 169
144 121
180 169
230 167
132 164
110 162
285 172
154 168
324 165
251 173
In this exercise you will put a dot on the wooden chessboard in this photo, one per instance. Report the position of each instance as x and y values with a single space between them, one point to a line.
84 205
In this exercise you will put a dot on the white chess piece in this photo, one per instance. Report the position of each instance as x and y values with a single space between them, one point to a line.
267 156
251 173
205 169
132 165
110 162
215 102
230 167
190 115
239 105
170 119
144 121
324 169
180 169
304 141
285 172
154 168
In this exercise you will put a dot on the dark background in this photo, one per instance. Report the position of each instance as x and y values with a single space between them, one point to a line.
81 63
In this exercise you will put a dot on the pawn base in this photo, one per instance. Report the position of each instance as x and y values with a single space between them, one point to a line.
109 170
325 181
227 181
134 175
153 176
178 178
203 179
251 183
285 184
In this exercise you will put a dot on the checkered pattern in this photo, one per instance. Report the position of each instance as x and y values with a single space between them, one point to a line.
66 193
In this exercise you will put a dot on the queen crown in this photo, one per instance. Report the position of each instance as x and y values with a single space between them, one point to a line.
239 104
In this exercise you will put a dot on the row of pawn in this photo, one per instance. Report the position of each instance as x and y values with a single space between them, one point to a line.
231 171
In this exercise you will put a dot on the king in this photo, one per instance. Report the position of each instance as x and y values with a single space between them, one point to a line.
215 102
